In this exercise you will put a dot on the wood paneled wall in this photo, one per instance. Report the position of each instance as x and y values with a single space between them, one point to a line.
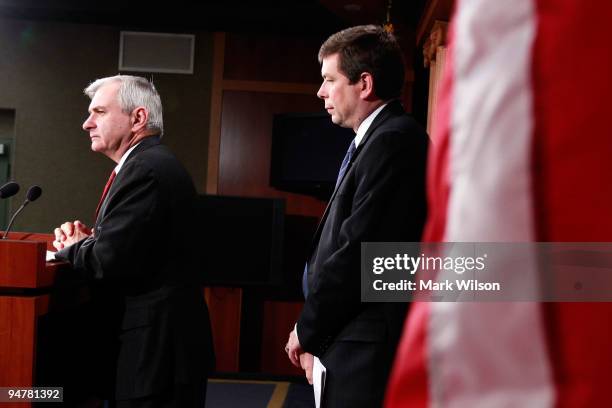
255 78
272 58
246 130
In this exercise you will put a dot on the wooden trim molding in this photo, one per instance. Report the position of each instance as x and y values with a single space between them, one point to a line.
271 87
409 76
214 133
434 10
434 57
437 38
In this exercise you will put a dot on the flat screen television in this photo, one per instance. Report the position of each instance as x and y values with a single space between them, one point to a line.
240 240
307 151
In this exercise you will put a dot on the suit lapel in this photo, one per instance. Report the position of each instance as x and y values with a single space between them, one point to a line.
394 108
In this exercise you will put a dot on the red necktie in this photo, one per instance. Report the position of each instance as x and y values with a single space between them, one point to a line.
105 192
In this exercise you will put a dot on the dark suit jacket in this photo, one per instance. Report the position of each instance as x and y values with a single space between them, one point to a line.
381 198
142 248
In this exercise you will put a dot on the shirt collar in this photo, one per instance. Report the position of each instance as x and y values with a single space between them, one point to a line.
124 158
365 125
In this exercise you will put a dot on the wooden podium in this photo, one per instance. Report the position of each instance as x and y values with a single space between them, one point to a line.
26 286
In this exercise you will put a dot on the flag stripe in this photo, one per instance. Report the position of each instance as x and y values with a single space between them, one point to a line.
490 200
572 65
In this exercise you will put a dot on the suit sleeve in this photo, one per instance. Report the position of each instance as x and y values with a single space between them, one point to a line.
388 205
125 238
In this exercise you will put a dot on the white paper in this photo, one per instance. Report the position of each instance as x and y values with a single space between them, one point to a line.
50 256
318 380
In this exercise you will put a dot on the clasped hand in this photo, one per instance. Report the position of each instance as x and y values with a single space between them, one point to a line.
69 233
298 356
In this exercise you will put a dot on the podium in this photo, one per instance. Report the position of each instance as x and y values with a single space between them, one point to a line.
27 285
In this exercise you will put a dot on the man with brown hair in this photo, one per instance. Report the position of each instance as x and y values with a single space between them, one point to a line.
379 196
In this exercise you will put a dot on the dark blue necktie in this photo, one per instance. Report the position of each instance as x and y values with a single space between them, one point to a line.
343 168
346 161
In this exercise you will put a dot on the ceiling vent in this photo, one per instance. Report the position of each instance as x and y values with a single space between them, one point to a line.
156 52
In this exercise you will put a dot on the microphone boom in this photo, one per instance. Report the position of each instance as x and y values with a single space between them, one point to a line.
32 195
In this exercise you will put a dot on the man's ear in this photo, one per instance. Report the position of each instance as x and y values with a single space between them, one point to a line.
140 117
366 82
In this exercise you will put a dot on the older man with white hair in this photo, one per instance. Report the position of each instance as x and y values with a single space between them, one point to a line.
139 247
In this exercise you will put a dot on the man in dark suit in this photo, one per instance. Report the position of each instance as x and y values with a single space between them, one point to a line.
379 196
141 248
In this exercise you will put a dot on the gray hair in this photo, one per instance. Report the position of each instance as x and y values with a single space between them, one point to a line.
133 92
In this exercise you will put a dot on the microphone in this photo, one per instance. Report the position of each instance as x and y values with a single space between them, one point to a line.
32 195
9 189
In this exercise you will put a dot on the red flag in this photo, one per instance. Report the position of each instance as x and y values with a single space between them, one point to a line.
521 153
